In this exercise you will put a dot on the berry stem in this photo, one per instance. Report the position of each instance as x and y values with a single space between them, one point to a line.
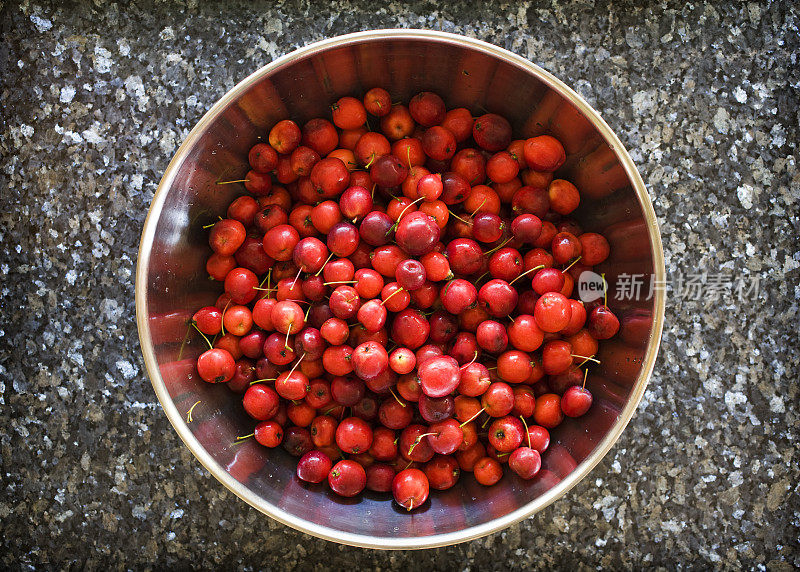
524 424
571 264
526 272
396 398
585 359
185 340
456 216
296 277
268 280
499 246
222 325
286 341
585 375
472 418
323 266
417 441
295 365
210 345
189 418
479 208
474 357
408 206
392 294
236 181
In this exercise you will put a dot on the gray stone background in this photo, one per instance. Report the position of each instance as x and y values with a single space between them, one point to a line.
96 96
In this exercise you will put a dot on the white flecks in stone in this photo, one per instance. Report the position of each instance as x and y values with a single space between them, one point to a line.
135 89
75 357
790 264
26 130
127 369
778 136
776 404
111 309
42 24
740 94
672 525
177 513
584 88
91 135
139 512
745 194
74 137
721 120
71 276
67 94
137 180
123 46
19 385
167 142
102 61
633 37
734 398
608 505
140 405
64 515
643 101
754 11
720 220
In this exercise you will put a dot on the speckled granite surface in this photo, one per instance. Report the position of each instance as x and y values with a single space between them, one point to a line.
96 97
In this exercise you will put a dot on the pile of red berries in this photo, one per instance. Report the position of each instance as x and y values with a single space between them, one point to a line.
397 297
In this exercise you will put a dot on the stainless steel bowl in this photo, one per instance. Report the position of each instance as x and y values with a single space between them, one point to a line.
171 281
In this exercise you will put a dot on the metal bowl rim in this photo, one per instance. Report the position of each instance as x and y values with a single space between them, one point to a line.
332 534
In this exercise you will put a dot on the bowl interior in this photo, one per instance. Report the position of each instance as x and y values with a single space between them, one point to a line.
172 282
